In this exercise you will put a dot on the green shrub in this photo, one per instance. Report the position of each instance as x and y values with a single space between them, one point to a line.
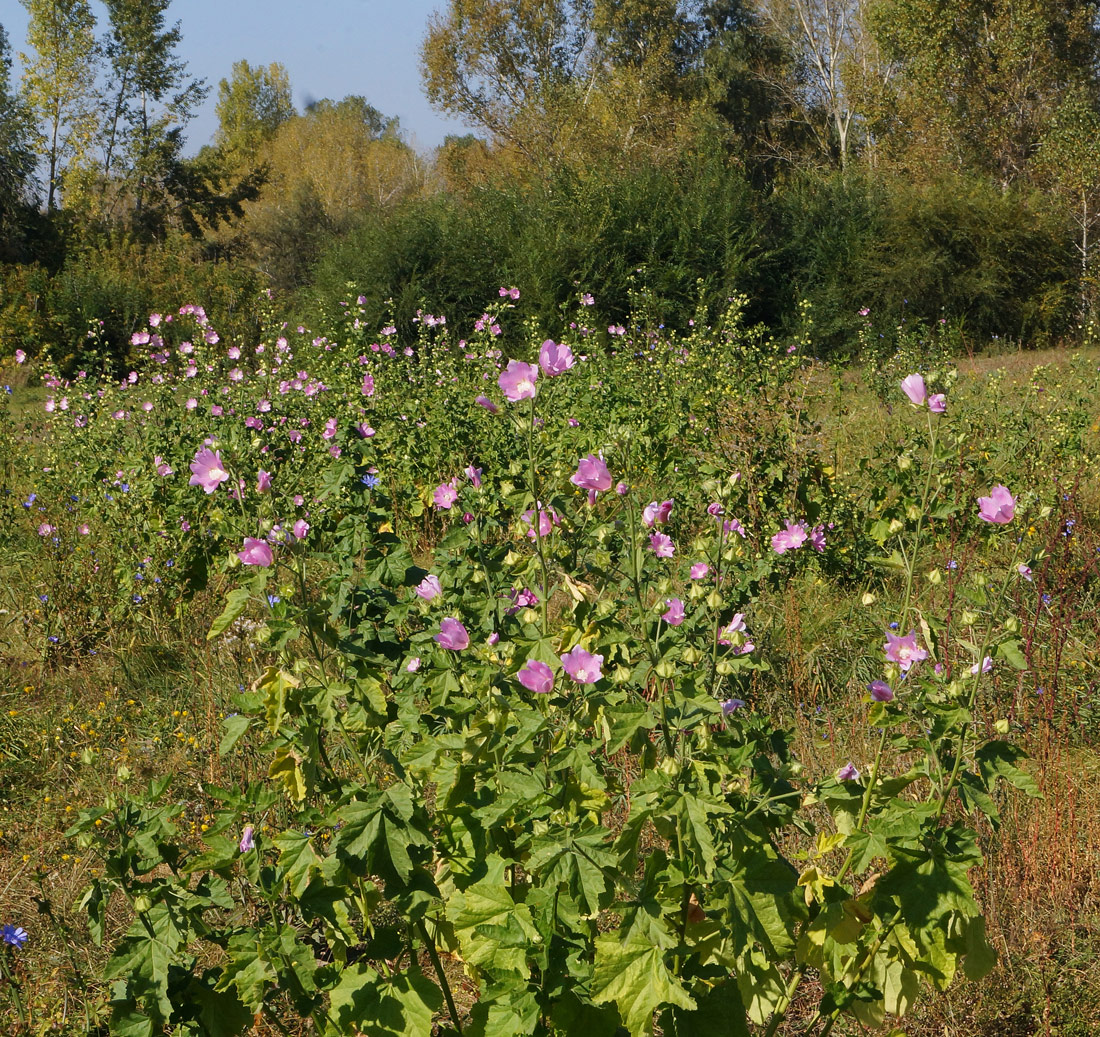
569 233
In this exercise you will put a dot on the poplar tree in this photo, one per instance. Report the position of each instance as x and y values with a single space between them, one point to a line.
1068 164
829 40
511 67
252 105
150 99
570 80
977 83
59 78
17 158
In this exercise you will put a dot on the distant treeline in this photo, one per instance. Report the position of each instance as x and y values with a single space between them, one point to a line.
921 160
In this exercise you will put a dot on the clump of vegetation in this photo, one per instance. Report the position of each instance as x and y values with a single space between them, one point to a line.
644 691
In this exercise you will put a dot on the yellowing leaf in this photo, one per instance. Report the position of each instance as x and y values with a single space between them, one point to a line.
274 684
632 973
286 767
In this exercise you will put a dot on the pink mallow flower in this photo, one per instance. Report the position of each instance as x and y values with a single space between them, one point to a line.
675 614
517 380
791 538
444 496
484 401
429 588
536 676
732 525
256 552
555 358
913 387
937 403
699 570
656 514
662 545
999 507
263 481
881 691
734 626
452 635
207 470
591 474
548 519
300 529
904 650
163 468
582 666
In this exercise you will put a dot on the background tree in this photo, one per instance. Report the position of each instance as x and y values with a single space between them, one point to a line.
251 107
640 81
977 82
746 80
623 80
323 170
826 37
510 67
59 78
17 158
1068 162
463 162
151 97
358 113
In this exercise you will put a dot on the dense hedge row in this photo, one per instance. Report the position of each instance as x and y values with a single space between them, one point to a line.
996 264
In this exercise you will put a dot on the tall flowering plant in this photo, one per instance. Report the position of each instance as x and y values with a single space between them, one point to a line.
445 734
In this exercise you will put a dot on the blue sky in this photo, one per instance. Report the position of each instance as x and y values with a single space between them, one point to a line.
330 48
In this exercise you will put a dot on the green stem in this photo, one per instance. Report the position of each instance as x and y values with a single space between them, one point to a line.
485 572
717 613
910 567
867 959
911 560
636 582
868 792
537 515
780 1013
429 945
972 699
685 897
13 984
